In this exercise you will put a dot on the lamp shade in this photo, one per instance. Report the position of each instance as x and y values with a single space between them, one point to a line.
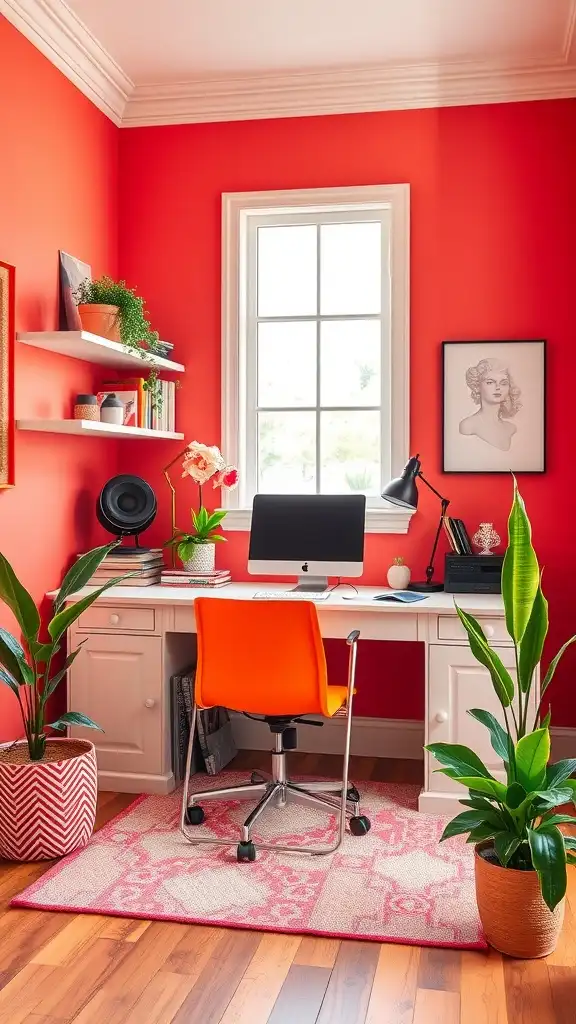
403 490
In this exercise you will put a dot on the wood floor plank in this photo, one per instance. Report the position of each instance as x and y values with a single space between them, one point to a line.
258 990
301 995
73 985
24 932
316 951
563 994
135 966
440 969
24 992
394 988
70 941
565 953
127 929
482 991
360 768
194 950
160 999
435 1007
528 992
348 993
219 979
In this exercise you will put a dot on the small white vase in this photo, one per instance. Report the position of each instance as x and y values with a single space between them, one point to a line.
398 577
203 559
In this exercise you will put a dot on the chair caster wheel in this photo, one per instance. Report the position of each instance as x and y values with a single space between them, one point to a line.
360 826
255 778
195 815
245 852
353 795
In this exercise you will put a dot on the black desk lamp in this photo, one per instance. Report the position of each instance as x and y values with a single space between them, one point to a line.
403 492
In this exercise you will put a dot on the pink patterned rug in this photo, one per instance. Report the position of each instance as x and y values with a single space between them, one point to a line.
396 884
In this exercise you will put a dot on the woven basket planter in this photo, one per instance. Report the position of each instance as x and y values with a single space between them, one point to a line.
203 559
48 807
515 919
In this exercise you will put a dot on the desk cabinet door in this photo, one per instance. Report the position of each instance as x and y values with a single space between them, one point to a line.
457 682
117 681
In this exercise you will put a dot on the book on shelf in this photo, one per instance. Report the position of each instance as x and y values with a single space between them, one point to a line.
463 537
448 531
150 415
457 535
195 584
184 578
141 580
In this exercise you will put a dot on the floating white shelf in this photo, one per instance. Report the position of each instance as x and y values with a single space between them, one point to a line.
95 428
93 349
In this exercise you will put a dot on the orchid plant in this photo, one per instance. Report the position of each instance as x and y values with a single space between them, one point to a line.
203 463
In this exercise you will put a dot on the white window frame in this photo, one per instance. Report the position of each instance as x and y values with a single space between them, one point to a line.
240 212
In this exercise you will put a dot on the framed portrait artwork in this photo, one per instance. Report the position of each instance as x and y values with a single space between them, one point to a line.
6 375
494 406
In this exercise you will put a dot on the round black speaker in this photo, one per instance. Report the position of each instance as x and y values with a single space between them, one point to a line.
126 505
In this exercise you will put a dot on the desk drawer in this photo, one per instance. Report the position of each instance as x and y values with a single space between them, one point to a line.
450 628
121 618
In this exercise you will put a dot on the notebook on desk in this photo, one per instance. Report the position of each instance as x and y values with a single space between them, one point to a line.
401 596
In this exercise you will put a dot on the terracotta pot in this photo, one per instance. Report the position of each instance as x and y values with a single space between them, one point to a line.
515 919
203 559
48 807
100 319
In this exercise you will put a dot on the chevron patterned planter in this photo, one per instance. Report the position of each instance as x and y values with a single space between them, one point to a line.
47 808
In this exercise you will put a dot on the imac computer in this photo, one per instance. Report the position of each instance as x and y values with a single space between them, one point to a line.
311 536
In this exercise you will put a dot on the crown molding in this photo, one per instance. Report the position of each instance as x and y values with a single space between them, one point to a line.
349 91
62 37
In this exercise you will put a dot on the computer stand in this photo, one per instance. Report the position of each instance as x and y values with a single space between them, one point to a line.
311 584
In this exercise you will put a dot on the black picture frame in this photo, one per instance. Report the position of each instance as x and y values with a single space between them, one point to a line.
476 443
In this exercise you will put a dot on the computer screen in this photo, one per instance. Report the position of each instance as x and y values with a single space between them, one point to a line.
319 534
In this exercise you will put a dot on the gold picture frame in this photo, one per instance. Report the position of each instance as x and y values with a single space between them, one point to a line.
7 292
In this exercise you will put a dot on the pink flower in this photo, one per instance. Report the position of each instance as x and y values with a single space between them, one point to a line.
227 478
202 461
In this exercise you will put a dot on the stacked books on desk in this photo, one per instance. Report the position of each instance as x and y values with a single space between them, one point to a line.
148 563
185 578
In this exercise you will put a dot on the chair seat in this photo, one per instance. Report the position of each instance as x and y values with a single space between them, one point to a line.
336 698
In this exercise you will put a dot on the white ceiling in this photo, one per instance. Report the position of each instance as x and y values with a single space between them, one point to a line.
159 61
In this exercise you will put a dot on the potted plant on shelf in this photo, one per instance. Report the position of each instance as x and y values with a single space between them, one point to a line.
111 310
197 549
48 785
520 851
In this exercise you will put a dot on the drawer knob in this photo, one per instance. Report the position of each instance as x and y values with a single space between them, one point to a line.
114 619
150 703
441 716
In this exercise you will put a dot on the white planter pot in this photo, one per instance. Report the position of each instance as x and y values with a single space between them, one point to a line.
203 559
398 577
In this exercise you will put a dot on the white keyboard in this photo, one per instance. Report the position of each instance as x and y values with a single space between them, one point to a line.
291 595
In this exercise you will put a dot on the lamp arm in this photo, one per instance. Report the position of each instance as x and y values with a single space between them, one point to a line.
433 489
430 567
173 498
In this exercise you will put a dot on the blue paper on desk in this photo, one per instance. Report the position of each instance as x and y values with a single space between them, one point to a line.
402 596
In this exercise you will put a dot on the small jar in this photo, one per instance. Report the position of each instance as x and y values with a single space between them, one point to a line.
112 410
86 408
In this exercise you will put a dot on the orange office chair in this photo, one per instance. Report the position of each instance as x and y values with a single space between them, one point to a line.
266 659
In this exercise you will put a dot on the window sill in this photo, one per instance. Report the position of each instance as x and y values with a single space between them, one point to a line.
378 520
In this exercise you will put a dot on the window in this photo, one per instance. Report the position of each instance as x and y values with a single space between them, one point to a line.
315 345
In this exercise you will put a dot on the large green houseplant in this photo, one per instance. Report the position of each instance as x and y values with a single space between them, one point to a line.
63 771
515 824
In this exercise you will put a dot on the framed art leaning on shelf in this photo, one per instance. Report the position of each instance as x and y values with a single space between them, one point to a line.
494 406
6 375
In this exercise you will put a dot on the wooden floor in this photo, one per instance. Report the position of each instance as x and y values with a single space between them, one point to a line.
97 970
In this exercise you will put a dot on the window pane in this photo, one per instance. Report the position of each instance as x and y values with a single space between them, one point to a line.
287 363
350 362
350 452
287 452
287 271
350 268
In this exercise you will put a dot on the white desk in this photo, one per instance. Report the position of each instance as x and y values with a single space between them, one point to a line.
135 638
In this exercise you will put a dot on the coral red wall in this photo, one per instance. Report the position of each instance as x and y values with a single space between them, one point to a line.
493 256
58 189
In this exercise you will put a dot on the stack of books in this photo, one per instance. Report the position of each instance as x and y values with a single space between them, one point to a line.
184 578
458 536
139 408
148 563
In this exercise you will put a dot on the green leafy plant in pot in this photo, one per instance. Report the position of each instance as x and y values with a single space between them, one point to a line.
112 310
47 784
521 852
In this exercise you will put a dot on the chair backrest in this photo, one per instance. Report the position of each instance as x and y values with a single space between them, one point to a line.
264 657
